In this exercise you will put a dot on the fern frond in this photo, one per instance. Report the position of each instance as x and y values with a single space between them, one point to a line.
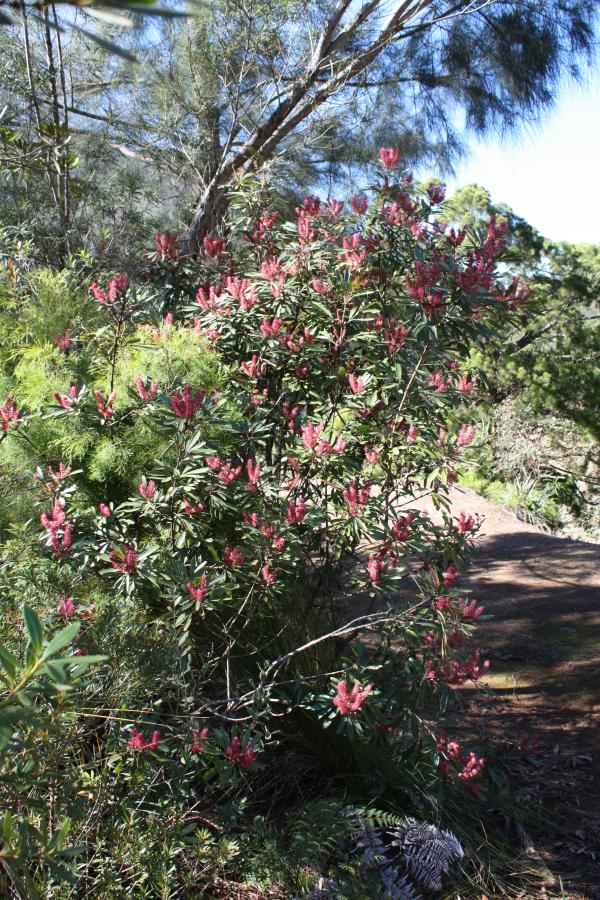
427 851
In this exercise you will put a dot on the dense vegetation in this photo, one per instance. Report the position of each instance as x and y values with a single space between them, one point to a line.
539 451
230 643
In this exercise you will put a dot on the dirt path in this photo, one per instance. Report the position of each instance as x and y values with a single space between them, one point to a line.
544 646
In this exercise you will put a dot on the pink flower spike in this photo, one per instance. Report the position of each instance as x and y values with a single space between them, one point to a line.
198 591
466 523
247 758
401 528
233 556
213 247
465 435
356 384
147 490
165 246
9 413
55 520
465 386
269 577
437 193
62 400
105 510
104 405
360 204
125 560
469 611
253 470
146 394
310 435
66 607
389 157
375 568
136 741
321 287
197 747
62 341
347 700
413 434
229 473
296 512
449 576
99 295
251 368
184 404
235 754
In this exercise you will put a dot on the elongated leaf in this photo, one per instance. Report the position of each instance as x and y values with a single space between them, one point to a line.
8 662
11 714
58 839
7 828
58 674
111 18
82 662
34 628
65 636
108 45
160 11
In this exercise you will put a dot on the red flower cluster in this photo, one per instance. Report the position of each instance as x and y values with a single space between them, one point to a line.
146 394
349 700
457 672
125 560
198 591
244 758
165 245
197 747
62 341
105 404
389 157
464 768
184 404
119 285
147 490
138 743
466 523
356 497
66 401
9 414
66 607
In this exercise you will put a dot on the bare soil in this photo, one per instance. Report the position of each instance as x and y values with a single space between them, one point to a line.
543 642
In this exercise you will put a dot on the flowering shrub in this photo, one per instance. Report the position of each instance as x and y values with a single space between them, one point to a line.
288 391
343 338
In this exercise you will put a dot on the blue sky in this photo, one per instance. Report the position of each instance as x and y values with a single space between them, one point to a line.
550 173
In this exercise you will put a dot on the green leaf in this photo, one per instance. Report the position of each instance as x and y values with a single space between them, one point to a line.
58 674
111 18
108 45
82 662
34 629
161 11
5 737
12 714
57 841
65 636
7 828
8 662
